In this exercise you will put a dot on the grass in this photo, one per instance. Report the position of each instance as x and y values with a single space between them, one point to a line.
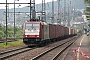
89 37
11 44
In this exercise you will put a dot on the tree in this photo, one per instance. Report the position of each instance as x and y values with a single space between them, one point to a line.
87 1
89 25
87 10
80 32
1 34
10 33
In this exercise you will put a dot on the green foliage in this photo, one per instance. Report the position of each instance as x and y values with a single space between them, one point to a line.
1 34
88 9
80 32
10 32
2 28
18 32
88 16
11 44
89 38
87 1
10 29
18 35
89 25
0 25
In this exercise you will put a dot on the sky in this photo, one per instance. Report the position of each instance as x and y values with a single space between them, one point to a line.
2 6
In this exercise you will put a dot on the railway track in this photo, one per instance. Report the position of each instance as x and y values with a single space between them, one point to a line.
53 53
31 52
13 52
59 53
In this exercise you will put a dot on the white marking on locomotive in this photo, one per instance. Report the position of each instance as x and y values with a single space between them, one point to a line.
31 32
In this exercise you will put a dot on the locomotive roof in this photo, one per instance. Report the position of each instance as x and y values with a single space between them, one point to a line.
39 21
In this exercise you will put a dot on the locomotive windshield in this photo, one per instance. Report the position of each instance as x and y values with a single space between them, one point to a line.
28 26
32 29
32 26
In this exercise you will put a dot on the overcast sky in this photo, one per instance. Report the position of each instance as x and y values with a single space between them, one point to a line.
2 6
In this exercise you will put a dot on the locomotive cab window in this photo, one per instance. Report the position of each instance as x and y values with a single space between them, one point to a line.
36 26
32 26
28 26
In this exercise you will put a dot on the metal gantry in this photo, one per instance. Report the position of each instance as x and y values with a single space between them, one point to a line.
69 11
52 12
65 11
14 21
58 19
43 10
32 8
6 22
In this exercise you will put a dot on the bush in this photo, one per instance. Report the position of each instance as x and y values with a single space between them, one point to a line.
1 34
80 32
10 33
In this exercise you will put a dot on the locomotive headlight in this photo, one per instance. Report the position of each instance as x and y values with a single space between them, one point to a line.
37 36
26 35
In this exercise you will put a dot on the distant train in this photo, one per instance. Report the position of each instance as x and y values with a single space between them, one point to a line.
39 32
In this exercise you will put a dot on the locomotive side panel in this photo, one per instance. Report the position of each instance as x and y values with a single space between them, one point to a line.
45 32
